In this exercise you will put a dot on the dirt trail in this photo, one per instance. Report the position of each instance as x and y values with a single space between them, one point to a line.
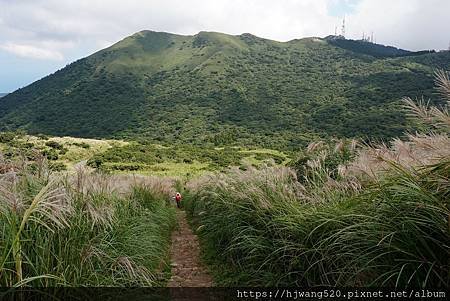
187 270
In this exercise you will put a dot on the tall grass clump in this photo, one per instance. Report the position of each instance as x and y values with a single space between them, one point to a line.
77 230
367 215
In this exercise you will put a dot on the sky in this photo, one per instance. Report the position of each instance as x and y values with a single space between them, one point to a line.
38 37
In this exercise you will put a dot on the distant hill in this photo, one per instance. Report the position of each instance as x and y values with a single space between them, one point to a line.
3 94
224 89
373 49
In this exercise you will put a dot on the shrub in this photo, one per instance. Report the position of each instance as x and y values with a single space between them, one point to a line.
6 137
63 151
82 145
50 154
54 145
57 166
95 162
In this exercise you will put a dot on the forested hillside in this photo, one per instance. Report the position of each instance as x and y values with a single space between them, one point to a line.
214 88
370 48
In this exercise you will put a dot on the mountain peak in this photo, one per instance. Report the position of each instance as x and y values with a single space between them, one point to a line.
213 86
247 35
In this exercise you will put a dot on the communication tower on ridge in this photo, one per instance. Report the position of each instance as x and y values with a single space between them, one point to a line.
367 38
343 28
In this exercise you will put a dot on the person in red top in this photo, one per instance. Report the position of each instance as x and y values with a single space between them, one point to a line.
178 199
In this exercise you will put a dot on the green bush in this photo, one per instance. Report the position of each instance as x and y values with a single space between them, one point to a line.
63 151
54 145
50 154
57 166
95 162
6 137
124 167
82 145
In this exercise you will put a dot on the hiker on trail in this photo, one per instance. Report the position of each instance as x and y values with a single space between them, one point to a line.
178 199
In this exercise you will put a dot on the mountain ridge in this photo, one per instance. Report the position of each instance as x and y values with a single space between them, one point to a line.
223 89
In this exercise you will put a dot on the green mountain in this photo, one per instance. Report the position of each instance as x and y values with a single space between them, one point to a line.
224 89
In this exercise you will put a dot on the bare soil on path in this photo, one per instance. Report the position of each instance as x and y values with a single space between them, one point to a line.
187 269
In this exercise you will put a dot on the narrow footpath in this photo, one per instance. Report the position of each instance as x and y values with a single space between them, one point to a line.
187 269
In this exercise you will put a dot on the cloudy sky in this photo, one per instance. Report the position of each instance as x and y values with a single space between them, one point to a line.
38 37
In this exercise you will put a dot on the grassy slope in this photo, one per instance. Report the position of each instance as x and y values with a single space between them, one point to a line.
218 89
75 153
181 161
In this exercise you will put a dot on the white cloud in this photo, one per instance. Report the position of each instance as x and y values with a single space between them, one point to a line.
411 24
30 51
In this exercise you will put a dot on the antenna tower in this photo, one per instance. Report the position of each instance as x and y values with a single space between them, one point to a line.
343 28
